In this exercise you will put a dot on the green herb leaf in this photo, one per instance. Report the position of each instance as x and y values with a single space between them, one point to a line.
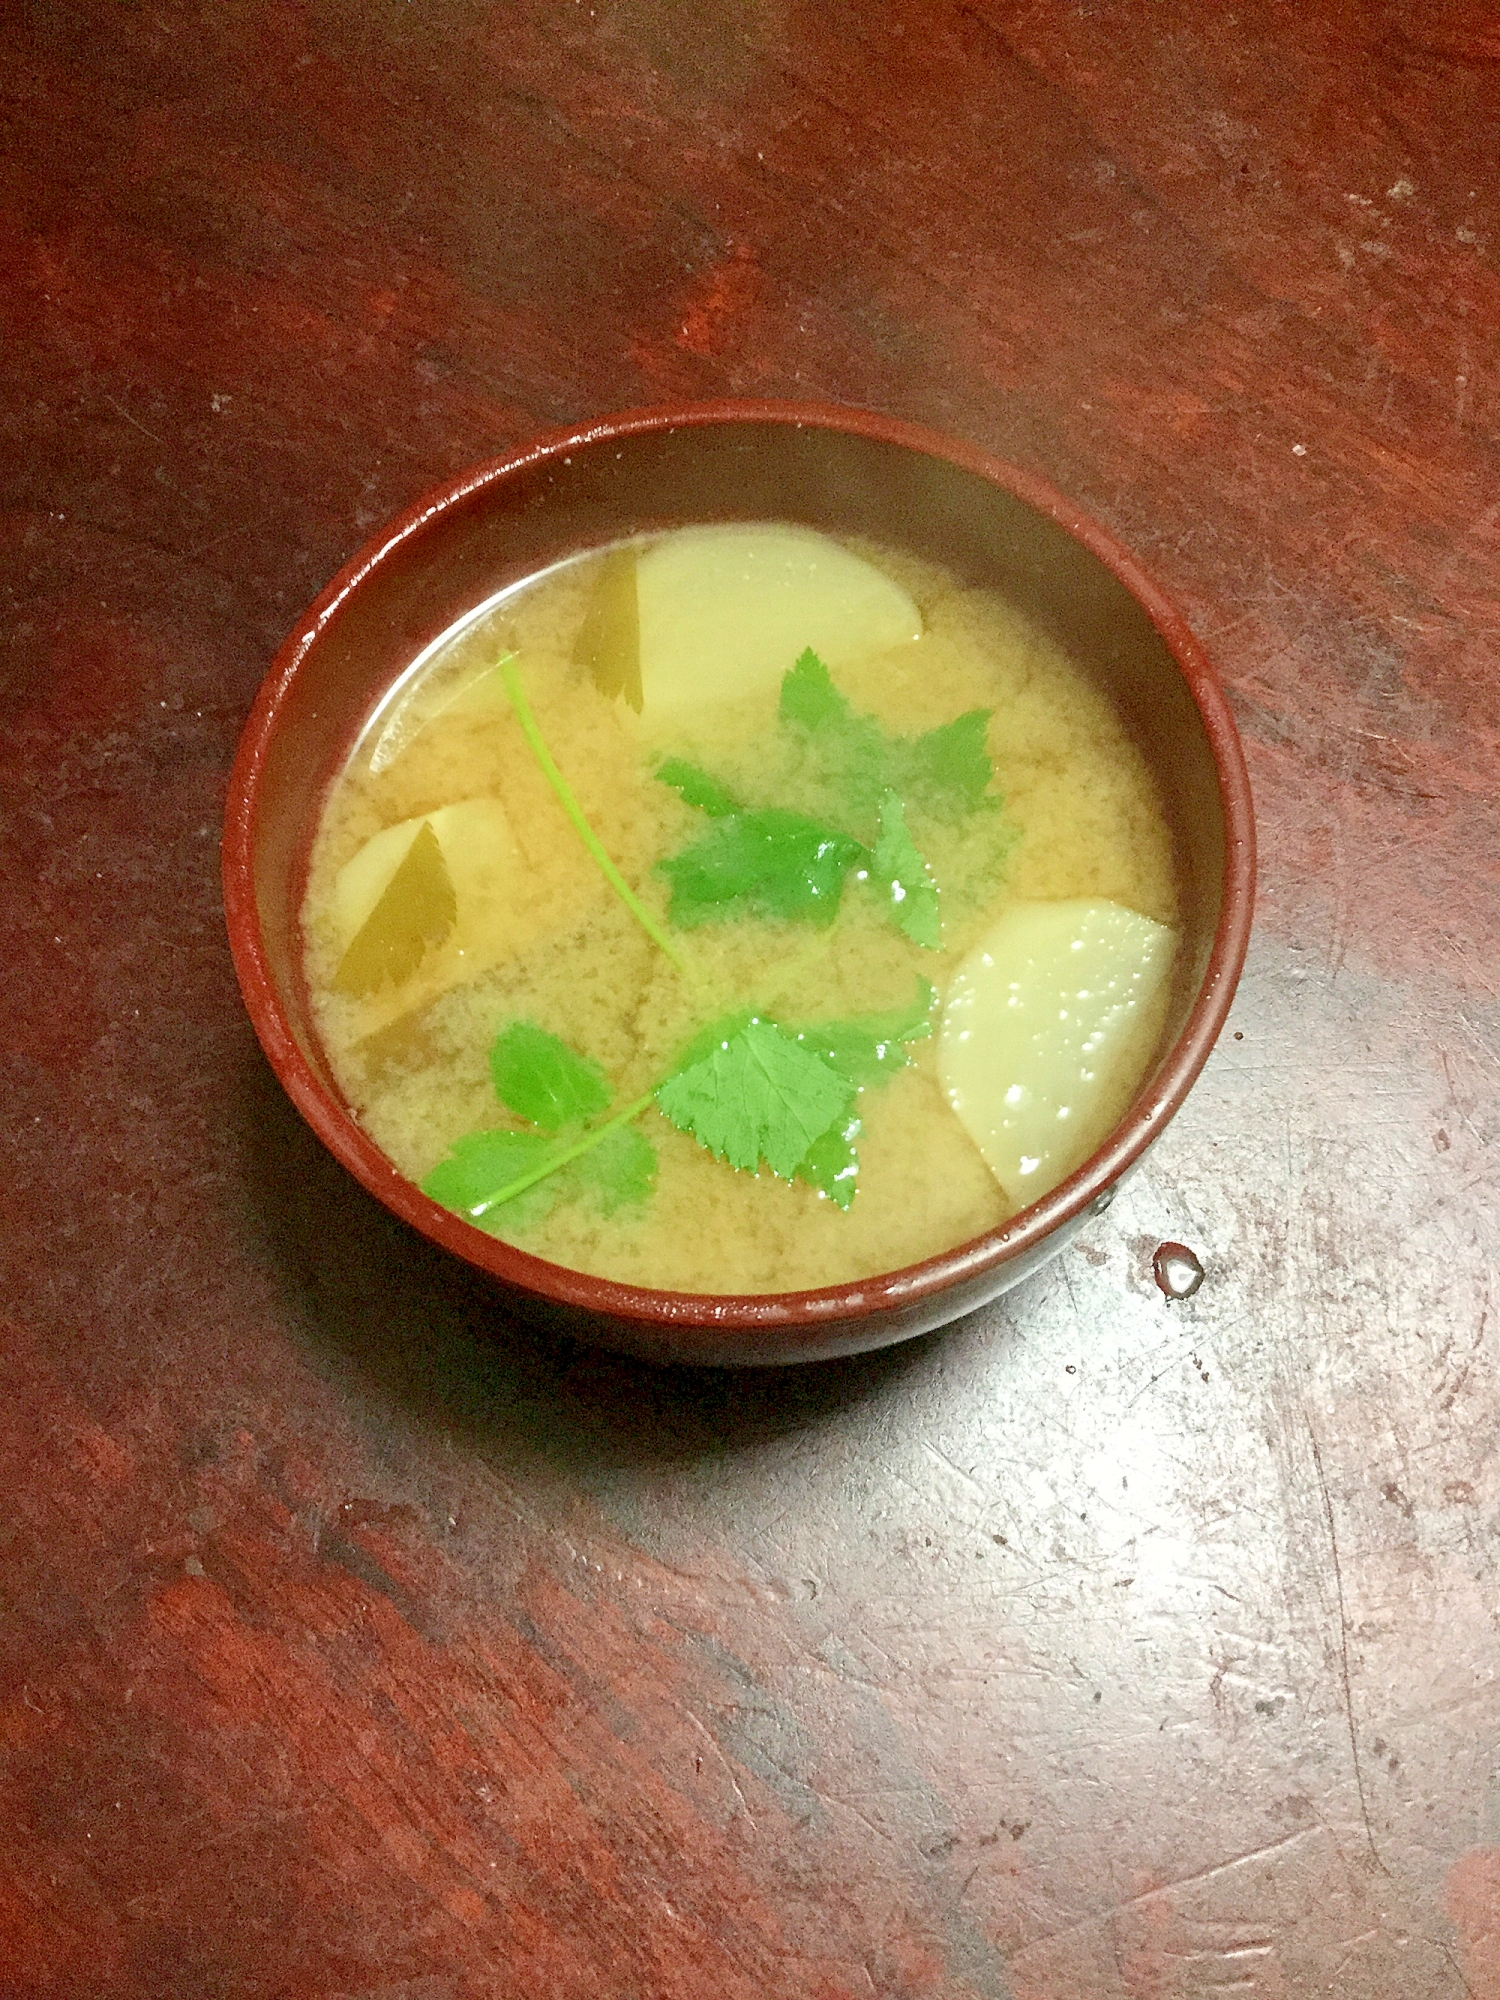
697 788
946 772
524 1173
764 864
901 877
831 1164
478 1177
866 1051
850 751
809 697
754 1094
745 1088
619 1173
870 1049
912 1023
543 1081
481 1165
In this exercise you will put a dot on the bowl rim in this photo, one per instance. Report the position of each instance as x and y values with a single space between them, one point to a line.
804 1311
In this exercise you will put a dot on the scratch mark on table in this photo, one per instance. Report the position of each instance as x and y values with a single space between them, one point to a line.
1180 1355
120 407
1200 1875
1338 1584
967 1479
1458 1969
722 1761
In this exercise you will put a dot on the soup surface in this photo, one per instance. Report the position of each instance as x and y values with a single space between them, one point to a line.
740 911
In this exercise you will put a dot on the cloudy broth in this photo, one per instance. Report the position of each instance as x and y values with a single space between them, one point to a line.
459 927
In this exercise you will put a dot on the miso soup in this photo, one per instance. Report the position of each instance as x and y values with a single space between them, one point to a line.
739 910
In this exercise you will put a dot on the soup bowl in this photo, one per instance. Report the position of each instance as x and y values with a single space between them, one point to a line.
846 472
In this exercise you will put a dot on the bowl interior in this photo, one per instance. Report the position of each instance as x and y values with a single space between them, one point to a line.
844 475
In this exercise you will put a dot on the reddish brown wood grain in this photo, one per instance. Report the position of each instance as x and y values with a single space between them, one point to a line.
357 1641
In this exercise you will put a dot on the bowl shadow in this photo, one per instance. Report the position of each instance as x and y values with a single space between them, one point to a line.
439 1346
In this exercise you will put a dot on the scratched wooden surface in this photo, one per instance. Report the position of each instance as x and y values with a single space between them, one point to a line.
357 1642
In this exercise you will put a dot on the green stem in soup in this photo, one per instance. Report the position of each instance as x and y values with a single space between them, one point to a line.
511 676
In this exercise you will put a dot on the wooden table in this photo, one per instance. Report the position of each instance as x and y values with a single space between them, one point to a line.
358 1641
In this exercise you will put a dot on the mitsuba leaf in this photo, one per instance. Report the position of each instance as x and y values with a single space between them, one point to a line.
831 1164
749 1092
946 771
619 1172
870 1049
900 876
773 863
865 1052
912 1023
809 698
849 751
481 1165
697 788
542 1080
506 1181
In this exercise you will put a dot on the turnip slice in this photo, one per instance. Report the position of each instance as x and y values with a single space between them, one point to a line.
1045 1029
725 611
462 891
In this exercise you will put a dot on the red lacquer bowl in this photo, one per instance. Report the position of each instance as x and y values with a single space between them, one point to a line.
846 471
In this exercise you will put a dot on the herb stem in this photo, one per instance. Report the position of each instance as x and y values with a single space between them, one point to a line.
510 673
476 1209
